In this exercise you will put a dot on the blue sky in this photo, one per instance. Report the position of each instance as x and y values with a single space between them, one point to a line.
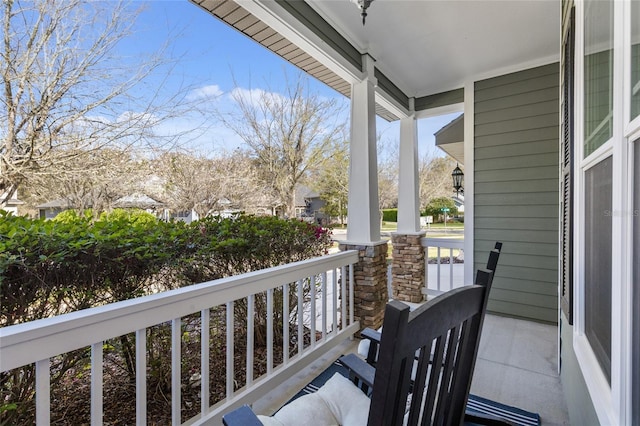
207 55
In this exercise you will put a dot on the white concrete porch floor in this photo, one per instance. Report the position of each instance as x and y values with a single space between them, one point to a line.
517 365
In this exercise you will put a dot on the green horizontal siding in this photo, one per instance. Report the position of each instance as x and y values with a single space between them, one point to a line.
517 162
530 98
523 136
529 199
523 311
515 150
387 85
516 125
439 99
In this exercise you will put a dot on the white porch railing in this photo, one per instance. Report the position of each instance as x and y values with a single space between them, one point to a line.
328 323
441 277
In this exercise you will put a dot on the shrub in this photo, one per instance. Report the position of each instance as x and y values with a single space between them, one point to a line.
390 215
435 206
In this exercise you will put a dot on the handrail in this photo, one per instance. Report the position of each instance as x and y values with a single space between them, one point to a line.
37 341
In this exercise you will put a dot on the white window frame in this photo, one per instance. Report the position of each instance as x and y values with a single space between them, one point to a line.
612 403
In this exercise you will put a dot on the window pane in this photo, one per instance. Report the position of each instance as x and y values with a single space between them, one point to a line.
636 282
598 74
635 58
598 205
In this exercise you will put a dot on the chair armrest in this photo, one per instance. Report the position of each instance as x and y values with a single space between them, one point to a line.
374 336
359 371
242 416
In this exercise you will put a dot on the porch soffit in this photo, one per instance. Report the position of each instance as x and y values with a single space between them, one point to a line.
423 49
450 139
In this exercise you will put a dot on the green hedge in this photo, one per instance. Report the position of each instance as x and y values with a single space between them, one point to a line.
390 215
52 267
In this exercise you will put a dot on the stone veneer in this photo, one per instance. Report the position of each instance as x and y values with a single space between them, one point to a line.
407 267
370 275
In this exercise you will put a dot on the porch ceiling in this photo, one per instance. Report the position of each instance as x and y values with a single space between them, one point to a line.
427 47
421 48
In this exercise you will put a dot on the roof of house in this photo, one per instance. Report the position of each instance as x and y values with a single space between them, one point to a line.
138 200
59 203
304 193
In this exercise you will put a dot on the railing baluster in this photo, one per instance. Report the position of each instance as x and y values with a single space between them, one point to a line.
250 325
43 396
176 371
343 296
300 317
450 268
230 350
269 331
438 260
96 384
141 377
285 324
205 318
334 291
351 294
426 271
312 314
324 305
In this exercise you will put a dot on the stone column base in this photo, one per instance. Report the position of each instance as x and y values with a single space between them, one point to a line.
370 276
407 267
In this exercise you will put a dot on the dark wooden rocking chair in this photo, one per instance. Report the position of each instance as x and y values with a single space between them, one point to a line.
431 388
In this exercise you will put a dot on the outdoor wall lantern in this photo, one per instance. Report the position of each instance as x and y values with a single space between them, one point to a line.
458 177
363 5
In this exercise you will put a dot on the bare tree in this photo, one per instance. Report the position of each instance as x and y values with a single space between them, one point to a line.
435 177
65 92
287 134
388 158
203 184
108 175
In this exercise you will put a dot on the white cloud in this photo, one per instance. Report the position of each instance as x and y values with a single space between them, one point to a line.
211 91
256 96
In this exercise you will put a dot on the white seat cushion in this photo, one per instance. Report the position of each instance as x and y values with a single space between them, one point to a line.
337 402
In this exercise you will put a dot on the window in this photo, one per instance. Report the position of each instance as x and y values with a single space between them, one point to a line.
598 237
598 74
635 59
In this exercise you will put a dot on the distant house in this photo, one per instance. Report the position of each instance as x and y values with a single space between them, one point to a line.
458 200
309 204
142 201
53 208
11 205
187 216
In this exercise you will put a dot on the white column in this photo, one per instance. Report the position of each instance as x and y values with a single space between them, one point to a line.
408 193
363 210
469 142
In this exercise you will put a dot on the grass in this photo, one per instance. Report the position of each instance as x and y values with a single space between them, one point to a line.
434 227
